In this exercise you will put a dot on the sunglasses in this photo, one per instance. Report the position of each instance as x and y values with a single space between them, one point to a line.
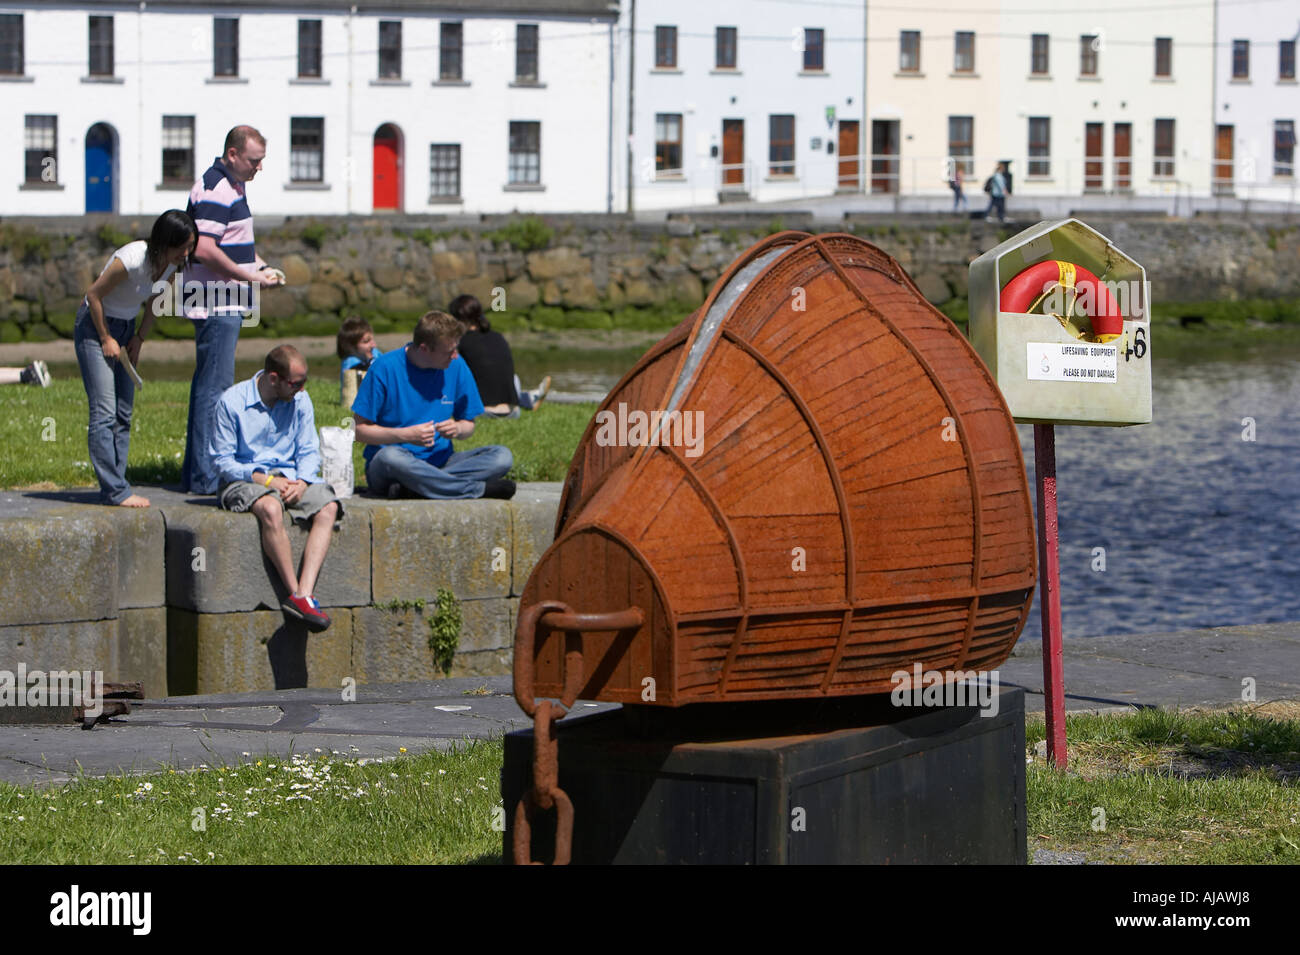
296 385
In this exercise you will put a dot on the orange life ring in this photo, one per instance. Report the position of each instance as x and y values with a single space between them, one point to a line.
1031 287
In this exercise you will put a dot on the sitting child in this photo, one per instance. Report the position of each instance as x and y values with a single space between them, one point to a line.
357 348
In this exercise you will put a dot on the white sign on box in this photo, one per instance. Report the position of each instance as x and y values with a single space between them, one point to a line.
1081 361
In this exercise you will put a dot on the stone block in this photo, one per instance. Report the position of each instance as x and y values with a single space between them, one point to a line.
392 646
296 270
238 652
404 302
533 511
554 263
487 624
231 573
58 566
387 277
483 663
141 540
521 294
142 649
579 291
417 547
77 645
454 265
480 286
638 292
322 297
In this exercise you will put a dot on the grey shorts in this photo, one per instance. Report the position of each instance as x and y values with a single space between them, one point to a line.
238 496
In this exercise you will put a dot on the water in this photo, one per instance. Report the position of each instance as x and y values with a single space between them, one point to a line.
1199 527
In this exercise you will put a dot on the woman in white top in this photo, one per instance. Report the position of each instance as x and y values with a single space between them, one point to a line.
105 330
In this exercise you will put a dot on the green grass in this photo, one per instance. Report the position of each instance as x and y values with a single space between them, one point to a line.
46 431
1174 787
307 810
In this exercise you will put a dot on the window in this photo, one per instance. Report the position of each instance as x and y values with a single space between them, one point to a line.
390 49
1241 59
526 53
725 58
451 45
40 141
665 48
1040 146
1089 45
780 150
1164 56
1284 148
11 44
909 51
444 170
1038 60
668 143
306 149
1286 59
101 46
814 54
225 46
961 140
309 58
178 150
526 153
963 56
1164 151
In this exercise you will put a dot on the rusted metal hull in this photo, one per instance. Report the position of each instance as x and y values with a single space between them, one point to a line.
857 503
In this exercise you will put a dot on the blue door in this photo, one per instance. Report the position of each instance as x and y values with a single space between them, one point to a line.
99 169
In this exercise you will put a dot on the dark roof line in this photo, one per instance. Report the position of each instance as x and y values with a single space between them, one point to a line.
603 9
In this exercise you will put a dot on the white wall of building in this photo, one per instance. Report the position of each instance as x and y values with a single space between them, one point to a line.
164 66
1252 106
768 80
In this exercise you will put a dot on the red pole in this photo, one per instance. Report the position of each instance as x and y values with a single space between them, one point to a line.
1049 596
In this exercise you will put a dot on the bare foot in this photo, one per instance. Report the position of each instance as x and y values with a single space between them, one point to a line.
135 500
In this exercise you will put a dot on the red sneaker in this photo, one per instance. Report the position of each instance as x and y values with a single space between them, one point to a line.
307 609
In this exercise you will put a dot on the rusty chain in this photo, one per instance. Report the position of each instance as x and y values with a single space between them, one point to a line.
545 793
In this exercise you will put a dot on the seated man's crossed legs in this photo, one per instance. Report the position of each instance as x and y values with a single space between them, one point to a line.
478 472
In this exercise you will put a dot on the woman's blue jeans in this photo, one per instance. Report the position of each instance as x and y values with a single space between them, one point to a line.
112 395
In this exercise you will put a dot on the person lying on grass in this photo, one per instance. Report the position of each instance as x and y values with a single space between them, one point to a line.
267 456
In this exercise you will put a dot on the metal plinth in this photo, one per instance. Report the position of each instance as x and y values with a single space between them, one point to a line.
861 782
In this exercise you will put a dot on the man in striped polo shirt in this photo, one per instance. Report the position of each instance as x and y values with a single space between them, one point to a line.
224 255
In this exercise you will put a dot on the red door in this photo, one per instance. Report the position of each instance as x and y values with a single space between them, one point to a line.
385 169
848 146
1093 160
733 152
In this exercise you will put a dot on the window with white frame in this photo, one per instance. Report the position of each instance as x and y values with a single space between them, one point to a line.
178 150
1286 60
225 46
306 149
1164 56
665 48
101 46
963 52
526 53
1284 148
961 143
1089 47
390 49
309 48
1241 59
11 44
1040 146
780 150
444 170
525 153
814 50
40 148
725 48
909 51
668 143
1039 61
1163 167
451 48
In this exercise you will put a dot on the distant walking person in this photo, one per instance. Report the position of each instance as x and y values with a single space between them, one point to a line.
225 255
955 184
489 358
996 187
105 332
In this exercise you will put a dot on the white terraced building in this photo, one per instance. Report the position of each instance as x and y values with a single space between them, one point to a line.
403 105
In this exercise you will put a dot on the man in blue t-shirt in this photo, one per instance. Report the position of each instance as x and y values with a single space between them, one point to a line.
412 403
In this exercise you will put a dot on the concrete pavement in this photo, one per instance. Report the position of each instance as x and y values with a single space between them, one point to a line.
1200 667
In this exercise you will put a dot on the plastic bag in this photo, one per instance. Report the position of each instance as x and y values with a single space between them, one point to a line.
336 459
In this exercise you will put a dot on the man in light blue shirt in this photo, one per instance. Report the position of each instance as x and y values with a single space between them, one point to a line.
265 449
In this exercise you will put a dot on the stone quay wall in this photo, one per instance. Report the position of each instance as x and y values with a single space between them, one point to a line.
180 596
596 271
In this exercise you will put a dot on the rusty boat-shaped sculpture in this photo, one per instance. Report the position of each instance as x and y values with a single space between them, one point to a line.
809 485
